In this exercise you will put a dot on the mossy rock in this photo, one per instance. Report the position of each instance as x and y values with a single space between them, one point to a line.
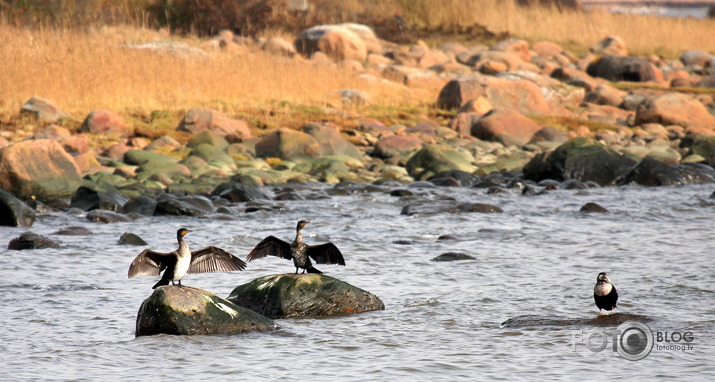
188 311
298 295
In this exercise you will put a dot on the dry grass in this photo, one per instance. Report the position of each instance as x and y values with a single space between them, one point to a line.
84 71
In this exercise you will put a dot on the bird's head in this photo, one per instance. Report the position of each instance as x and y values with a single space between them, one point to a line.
602 278
182 232
302 224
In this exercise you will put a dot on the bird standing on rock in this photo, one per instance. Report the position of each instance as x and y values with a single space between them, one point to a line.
300 252
178 263
604 293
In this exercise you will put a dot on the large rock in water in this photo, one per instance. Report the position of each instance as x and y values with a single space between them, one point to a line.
650 172
41 168
582 159
188 311
14 212
310 294
30 240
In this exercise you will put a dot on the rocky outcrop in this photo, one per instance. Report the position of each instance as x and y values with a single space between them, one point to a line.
14 212
298 295
189 311
40 168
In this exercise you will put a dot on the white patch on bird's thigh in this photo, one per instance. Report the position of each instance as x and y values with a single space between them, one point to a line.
602 289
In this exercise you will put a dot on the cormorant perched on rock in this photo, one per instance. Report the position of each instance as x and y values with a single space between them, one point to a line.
300 252
604 293
182 261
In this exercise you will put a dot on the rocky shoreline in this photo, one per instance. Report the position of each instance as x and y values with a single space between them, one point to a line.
521 116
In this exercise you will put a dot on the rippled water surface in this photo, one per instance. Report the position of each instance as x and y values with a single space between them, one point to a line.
69 314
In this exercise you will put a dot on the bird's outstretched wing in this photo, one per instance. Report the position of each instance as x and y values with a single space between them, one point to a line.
148 263
326 253
272 246
212 259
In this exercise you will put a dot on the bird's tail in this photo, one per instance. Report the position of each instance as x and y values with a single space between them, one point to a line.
161 282
314 270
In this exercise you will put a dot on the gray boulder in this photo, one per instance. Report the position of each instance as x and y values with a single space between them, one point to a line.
189 311
297 295
615 68
651 172
96 197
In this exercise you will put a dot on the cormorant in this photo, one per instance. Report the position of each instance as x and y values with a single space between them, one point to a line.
300 252
604 293
178 263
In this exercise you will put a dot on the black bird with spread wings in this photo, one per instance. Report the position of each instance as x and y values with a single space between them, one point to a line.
178 263
300 252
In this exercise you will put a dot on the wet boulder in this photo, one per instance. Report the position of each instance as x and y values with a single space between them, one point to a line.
73 231
651 172
453 256
29 240
96 197
142 205
593 207
433 159
238 192
434 207
40 168
106 217
191 205
129 238
14 212
582 159
189 311
298 295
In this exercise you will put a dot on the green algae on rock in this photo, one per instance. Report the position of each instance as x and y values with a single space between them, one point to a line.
188 311
297 295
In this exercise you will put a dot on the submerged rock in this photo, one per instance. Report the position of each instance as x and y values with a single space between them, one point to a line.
14 212
187 311
453 256
128 238
29 240
310 294
73 231
536 321
593 207
101 216
448 207
650 172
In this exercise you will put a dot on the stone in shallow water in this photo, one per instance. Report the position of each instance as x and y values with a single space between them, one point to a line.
29 240
188 311
128 238
453 256
593 207
536 321
297 295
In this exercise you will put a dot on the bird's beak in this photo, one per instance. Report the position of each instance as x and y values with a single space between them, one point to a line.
189 230
606 278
